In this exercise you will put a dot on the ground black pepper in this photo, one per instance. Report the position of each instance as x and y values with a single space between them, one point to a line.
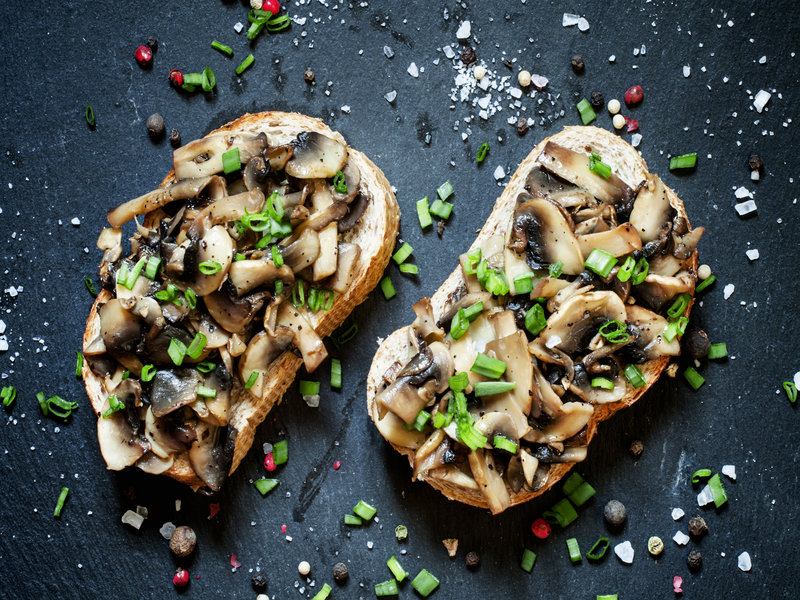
468 55
340 573
577 63
175 138
636 449
309 76
614 513
697 527
155 126
755 162
473 560
522 126
597 100
694 561
259 583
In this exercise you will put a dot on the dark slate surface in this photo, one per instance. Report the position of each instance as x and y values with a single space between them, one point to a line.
53 168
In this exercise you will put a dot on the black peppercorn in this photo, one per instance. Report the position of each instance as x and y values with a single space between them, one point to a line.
696 343
175 138
694 561
473 560
155 126
152 43
636 449
614 513
522 126
577 63
259 583
309 76
340 573
755 162
597 100
697 527
468 55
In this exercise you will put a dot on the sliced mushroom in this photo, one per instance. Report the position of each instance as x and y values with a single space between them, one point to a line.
173 388
216 246
430 455
651 209
233 314
246 275
203 157
262 350
305 338
489 481
425 327
578 286
619 241
355 210
657 290
649 328
529 466
542 184
256 173
573 417
513 350
316 156
550 402
573 325
121 330
219 406
393 429
158 433
216 336
303 251
211 455
548 287
225 210
110 240
183 189
157 341
574 167
119 445
326 262
345 268
452 306
154 464
494 423
686 244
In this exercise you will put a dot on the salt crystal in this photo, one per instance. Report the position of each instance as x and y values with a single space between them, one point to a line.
754 176
568 20
142 510
727 291
177 505
761 99
540 81
267 447
391 96
625 552
515 92
346 109
464 30
729 471
2 326
687 70
644 50
3 344
388 52
12 291
484 102
448 52
370 545
636 52
680 538
705 497
636 139
752 254
312 401
413 70
745 208
745 564
797 379
238 28
167 529
76 221
743 192
499 172
677 514
583 24
133 519
612 58
762 60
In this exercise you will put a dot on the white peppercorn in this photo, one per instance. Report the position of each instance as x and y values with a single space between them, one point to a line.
524 78
614 106
479 71
618 121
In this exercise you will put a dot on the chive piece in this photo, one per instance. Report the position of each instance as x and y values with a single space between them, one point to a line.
255 221
682 323
206 366
444 191
578 490
562 512
574 550
420 421
482 152
634 375
254 30
386 588
500 442
670 331
717 351
597 166
78 363
226 50
133 274
125 375
469 435
608 597
555 270
239 256
473 261
278 24
601 262
473 311
206 392
42 403
62 497
364 510
353 520
148 372
442 420
114 405
705 283
700 474
425 583
717 490
528 560
209 267
323 593
89 115
309 388
459 325
599 549
535 320
487 366
59 407
788 387
496 283
340 339
9 394
209 81
298 293
336 373
423 213
678 307
615 331
265 486
441 209
87 281
523 284
409 269
176 351
387 288
603 383
280 452
640 270
396 568
626 270
684 161
151 268
314 299
694 378
340 182
586 111
231 162
191 298
197 346
402 253
401 532
459 382
490 388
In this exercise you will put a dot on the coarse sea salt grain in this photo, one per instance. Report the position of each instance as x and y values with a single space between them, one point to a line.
677 514
449 52
636 139
464 30
391 96
167 529
729 471
238 27
2 326
745 564
752 254
705 497
499 172
568 20
727 291
413 70
388 52
687 70
625 552
742 192
680 538
133 519
745 208
761 99
583 24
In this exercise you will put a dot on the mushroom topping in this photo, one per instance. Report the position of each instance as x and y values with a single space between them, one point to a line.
211 455
355 210
233 314
246 275
513 350
178 190
542 184
576 322
154 464
494 423
346 267
431 454
325 264
352 179
649 327
214 255
305 338
425 327
651 209
262 350
219 405
619 241
394 430
316 156
657 289
204 156
121 331
172 389
119 445
110 240
256 173
489 481
303 251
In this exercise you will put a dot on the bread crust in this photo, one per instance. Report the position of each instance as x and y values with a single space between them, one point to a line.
632 169
375 233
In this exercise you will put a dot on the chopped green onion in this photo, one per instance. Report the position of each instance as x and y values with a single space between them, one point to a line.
265 486
176 351
90 286
597 166
705 283
386 588
209 267
191 298
615 331
336 373
151 268
89 115
574 550
191 81
197 346
578 490
278 24
490 388
125 375
670 331
789 387
78 363
523 284
206 366
274 206
309 388
562 512
556 269
56 406
535 320
209 81
598 549
459 325
626 270
246 63
500 442
251 381
684 161
473 311
602 382
401 532
114 405
231 161
323 593
482 152
122 274
472 262
340 339
441 209
226 50
717 490
717 351
682 323
148 372
206 392
280 452
425 583
640 270
255 29
601 262
423 213
528 560
257 15
459 382
635 376
442 420
469 435
679 306
409 268
353 520
402 253
168 294
586 111
487 366
396 568
693 378
133 275
9 394
364 510
420 421
700 474
444 191
298 293
496 284
608 597
340 183
387 288
62 497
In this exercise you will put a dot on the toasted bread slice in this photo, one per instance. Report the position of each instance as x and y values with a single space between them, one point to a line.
374 233
398 347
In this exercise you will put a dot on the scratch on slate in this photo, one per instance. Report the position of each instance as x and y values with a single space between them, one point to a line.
679 471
